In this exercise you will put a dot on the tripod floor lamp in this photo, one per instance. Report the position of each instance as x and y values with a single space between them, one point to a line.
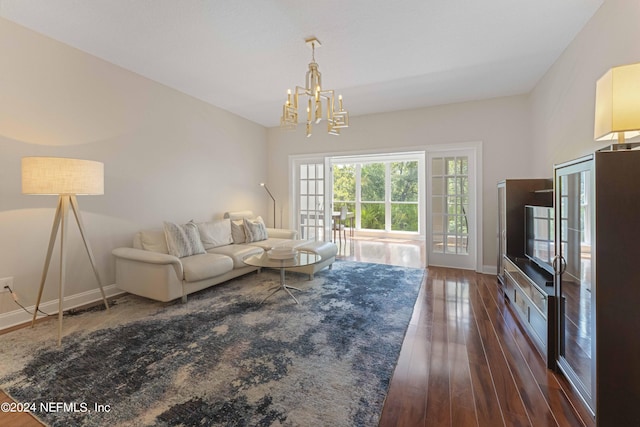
67 178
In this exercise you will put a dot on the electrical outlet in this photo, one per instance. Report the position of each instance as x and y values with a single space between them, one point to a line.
6 281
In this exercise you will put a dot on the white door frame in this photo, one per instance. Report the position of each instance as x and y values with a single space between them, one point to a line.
476 146
474 149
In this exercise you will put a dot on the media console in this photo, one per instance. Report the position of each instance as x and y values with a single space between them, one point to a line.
530 290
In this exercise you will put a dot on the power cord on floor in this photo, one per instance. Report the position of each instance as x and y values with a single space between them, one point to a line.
15 299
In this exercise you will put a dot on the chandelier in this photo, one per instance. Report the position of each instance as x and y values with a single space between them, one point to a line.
313 97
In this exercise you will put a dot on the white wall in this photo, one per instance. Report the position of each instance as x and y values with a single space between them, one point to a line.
167 156
502 124
563 102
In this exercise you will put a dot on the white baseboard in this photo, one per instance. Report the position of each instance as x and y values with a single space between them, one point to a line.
489 269
19 316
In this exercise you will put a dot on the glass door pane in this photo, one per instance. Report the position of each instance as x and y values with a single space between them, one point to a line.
575 285
311 201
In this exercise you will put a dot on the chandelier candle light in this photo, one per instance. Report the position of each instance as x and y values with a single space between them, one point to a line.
336 119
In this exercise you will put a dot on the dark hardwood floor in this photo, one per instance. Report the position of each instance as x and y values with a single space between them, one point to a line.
464 362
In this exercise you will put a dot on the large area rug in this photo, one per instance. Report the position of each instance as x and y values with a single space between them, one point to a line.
223 358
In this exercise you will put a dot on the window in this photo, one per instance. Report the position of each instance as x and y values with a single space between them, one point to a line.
383 191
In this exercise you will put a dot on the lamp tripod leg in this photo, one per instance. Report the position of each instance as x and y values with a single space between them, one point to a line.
47 261
76 213
63 263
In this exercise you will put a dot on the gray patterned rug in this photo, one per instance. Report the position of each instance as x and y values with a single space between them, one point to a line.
223 358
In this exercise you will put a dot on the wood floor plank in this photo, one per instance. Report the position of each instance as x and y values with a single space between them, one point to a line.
488 406
462 400
438 410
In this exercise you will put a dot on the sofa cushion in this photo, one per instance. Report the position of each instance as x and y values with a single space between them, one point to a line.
237 232
205 266
183 240
215 233
237 252
254 229
325 249
151 240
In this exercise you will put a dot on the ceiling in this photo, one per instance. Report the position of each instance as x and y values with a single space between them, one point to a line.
382 56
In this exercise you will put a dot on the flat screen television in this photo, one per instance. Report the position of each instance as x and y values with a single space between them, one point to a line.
539 241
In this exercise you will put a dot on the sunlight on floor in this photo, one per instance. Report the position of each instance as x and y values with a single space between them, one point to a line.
392 251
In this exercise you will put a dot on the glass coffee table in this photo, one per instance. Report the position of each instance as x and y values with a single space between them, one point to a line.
301 258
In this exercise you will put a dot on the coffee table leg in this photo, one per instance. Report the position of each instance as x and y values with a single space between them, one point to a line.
283 286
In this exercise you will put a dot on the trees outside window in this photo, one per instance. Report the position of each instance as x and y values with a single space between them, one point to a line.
384 195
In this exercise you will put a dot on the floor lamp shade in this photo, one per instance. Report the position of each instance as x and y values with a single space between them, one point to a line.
617 113
56 175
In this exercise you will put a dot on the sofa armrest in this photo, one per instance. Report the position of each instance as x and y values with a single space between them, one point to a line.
149 257
281 233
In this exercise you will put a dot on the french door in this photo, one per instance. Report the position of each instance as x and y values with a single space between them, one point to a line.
451 207
309 203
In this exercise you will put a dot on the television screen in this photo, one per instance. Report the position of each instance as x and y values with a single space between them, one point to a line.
539 236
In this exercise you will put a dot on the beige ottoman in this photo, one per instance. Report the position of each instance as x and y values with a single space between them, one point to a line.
327 250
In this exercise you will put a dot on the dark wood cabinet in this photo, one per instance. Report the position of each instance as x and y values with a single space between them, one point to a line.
597 203
524 284
531 294
513 195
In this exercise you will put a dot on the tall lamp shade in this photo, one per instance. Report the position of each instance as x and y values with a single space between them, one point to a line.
617 115
56 175
67 178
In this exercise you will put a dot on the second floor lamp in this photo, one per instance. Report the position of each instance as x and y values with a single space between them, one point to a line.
262 184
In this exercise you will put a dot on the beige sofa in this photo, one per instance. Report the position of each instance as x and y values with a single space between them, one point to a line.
149 270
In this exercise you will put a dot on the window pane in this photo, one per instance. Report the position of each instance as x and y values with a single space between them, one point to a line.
303 187
404 217
463 245
438 224
438 245
451 245
372 216
437 166
451 185
344 183
303 171
312 187
437 205
404 181
373 182
319 171
437 186
450 163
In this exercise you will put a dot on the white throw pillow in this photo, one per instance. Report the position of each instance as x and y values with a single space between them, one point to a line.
215 233
255 230
183 240
154 240
237 232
